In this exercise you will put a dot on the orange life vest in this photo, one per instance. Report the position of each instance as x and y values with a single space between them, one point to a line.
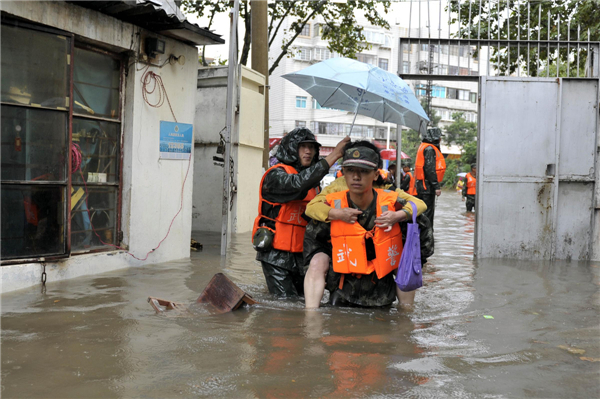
471 184
440 164
384 173
289 223
412 190
338 174
349 254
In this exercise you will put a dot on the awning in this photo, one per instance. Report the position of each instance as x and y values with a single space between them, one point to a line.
390 155
162 17
273 142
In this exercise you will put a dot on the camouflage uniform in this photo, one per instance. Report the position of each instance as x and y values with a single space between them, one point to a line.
283 270
368 290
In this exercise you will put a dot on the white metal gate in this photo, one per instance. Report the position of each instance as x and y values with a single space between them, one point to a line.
538 190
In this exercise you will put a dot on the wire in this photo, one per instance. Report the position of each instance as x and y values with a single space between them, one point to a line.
75 149
76 157
148 78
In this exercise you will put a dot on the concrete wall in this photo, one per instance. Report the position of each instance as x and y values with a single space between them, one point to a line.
151 188
249 146
246 149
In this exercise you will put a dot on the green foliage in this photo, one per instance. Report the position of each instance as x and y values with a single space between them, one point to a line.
584 14
452 168
341 29
460 132
469 155
463 134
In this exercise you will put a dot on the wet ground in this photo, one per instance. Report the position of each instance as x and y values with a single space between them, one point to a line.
485 329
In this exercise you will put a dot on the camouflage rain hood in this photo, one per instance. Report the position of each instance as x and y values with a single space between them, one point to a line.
432 134
287 152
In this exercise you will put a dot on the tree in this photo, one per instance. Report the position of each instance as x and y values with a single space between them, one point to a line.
341 29
468 156
581 13
460 132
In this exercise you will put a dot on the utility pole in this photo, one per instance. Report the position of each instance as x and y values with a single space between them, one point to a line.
429 86
260 61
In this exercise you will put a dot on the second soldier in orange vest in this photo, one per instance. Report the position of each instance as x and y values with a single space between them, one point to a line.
285 189
470 188
430 167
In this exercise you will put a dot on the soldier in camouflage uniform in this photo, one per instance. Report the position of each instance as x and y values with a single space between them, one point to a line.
362 290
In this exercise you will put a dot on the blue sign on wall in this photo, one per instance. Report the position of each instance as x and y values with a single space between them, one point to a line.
176 140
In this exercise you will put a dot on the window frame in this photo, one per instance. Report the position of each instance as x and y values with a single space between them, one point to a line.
384 60
68 184
118 184
299 98
306 26
299 51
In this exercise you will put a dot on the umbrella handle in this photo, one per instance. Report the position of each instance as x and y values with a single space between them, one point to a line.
356 110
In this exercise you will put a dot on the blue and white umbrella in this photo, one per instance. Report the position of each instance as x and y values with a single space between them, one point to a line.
364 89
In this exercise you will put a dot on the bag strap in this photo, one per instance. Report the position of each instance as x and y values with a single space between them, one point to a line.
414 211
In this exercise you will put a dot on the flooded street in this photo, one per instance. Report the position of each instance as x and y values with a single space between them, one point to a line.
490 328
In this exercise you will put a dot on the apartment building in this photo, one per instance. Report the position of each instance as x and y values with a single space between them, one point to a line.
292 107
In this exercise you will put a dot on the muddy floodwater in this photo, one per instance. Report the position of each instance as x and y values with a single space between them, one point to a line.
479 329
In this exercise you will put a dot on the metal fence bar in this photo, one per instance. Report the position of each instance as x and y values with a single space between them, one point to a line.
588 55
478 38
498 52
519 38
449 35
568 49
409 33
538 62
469 56
439 59
489 48
548 60
578 33
557 49
528 36
508 34
428 21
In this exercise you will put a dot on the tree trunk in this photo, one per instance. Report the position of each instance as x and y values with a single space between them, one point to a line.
247 36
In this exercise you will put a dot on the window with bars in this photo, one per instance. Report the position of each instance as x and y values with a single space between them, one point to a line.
300 123
58 97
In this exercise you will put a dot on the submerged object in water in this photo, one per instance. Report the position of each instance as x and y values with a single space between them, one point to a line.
221 294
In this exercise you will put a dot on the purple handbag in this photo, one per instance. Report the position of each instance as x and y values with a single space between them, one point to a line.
409 276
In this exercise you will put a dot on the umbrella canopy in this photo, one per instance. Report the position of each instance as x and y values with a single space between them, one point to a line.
390 155
351 85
